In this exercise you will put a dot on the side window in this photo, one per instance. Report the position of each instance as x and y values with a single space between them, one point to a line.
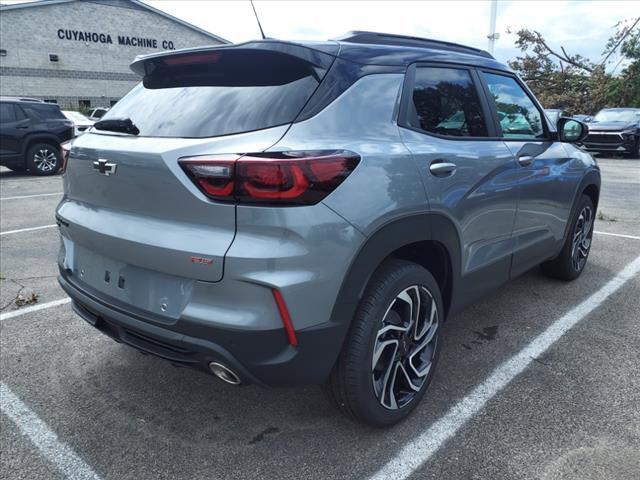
43 111
446 102
518 116
7 113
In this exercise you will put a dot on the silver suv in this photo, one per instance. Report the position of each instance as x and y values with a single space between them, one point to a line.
285 213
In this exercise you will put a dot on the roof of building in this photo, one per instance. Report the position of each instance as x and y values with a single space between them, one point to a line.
136 3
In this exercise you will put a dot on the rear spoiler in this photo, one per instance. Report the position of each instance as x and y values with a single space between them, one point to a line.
320 54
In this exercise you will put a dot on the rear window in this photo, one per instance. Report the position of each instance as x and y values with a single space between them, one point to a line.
218 93
43 111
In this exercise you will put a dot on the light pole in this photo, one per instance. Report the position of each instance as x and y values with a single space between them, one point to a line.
493 36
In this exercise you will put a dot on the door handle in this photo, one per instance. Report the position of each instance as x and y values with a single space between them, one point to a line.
23 127
525 160
442 169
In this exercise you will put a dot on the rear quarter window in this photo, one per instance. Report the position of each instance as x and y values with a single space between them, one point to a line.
219 93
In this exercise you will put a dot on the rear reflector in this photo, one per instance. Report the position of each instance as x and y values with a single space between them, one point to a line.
278 178
286 319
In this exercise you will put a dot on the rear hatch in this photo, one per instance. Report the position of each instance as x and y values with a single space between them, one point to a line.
129 206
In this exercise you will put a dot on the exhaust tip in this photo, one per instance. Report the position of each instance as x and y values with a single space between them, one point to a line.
224 373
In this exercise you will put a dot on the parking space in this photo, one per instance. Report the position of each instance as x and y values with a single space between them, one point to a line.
572 412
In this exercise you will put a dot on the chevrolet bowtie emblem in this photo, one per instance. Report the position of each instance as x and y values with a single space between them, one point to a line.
104 167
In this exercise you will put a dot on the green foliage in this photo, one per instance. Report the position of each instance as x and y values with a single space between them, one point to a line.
578 84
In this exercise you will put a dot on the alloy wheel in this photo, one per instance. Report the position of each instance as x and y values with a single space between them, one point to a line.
582 238
45 160
405 347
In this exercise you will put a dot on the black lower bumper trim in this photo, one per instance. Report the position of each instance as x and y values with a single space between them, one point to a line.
262 357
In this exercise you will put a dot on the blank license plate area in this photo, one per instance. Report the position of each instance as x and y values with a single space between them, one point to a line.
155 292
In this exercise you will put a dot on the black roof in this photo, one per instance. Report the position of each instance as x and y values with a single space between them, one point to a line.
375 38
388 49
368 48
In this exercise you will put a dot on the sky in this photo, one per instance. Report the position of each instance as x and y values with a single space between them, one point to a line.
580 26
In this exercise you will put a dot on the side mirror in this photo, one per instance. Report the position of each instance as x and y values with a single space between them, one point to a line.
571 130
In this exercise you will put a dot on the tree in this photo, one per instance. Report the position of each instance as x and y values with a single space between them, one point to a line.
576 83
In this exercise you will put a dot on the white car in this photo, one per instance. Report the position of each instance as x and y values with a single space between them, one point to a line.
97 113
80 122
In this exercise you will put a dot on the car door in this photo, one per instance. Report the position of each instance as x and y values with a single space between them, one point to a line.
13 127
469 174
548 176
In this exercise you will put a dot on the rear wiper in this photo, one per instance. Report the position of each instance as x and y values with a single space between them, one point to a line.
122 125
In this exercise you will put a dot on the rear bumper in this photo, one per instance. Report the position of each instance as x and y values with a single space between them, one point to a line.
263 357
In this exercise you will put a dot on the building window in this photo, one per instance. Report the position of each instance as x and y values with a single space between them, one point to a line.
84 103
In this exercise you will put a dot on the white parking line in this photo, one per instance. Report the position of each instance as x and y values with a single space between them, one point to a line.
30 229
35 308
31 196
422 448
633 237
45 440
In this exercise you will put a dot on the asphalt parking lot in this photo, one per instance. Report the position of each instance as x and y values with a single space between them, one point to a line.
77 405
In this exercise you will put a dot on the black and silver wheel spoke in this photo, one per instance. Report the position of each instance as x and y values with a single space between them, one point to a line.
405 347
581 242
45 160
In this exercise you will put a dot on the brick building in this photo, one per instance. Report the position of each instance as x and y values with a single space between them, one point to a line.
77 52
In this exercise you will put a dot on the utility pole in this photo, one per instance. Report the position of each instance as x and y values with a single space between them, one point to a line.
493 36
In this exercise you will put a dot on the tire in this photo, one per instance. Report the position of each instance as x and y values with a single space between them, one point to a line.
575 252
44 159
357 382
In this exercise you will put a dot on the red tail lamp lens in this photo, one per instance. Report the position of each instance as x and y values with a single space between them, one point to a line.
279 178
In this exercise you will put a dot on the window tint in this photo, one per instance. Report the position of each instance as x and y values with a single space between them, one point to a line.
7 113
43 111
518 116
445 101
218 93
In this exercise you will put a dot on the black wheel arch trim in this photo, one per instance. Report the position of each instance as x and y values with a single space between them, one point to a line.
430 226
34 138
591 178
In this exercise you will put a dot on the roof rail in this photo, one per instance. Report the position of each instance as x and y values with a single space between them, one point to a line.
407 41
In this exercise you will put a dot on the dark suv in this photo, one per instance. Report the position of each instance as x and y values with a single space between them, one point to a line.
615 130
31 133
286 213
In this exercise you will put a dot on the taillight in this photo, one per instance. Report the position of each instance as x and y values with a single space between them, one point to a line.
280 178
65 148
